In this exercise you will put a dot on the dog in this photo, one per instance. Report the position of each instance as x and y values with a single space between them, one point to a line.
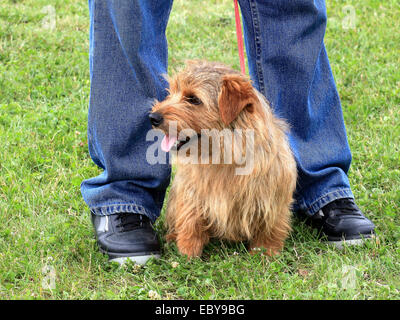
211 199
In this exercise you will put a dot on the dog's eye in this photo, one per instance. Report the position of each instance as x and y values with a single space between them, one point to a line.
193 100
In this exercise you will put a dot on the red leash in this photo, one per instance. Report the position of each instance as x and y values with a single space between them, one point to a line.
239 37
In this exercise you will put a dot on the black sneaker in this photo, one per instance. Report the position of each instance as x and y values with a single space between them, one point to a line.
126 236
341 221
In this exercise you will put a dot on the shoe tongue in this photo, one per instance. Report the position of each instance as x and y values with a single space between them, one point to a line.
167 143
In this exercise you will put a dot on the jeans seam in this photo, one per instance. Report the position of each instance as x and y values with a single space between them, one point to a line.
257 44
315 64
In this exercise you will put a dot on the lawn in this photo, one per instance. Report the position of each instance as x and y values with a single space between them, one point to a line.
47 245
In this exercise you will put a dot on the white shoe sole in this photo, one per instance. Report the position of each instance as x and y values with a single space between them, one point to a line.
352 242
137 260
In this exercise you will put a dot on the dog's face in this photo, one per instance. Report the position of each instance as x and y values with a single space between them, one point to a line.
203 96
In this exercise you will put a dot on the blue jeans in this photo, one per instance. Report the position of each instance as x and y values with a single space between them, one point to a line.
288 64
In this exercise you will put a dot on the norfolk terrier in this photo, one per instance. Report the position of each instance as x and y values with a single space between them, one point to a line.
210 197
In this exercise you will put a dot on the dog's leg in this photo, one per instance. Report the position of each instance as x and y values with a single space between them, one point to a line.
172 209
191 235
272 246
170 237
272 243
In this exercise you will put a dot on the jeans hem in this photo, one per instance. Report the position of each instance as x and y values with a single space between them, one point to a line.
322 201
123 207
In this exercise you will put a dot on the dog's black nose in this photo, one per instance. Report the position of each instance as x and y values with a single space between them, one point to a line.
156 118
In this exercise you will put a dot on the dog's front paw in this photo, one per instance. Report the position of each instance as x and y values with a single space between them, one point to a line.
269 252
266 247
170 237
190 247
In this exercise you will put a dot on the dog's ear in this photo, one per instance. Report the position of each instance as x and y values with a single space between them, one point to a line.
236 94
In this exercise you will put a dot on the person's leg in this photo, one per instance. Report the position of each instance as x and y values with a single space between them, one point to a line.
289 65
128 55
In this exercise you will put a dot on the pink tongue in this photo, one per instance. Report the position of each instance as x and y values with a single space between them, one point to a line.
167 143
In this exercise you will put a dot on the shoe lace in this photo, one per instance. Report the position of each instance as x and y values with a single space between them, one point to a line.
130 221
343 207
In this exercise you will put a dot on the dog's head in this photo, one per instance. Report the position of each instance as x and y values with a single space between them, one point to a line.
202 96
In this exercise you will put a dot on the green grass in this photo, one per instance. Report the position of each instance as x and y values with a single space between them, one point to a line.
44 89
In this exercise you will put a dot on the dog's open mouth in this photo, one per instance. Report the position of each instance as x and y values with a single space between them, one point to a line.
171 142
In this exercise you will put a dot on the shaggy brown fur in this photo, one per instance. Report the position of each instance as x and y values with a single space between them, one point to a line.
210 200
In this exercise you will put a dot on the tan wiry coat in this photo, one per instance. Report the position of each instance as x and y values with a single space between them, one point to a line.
211 200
